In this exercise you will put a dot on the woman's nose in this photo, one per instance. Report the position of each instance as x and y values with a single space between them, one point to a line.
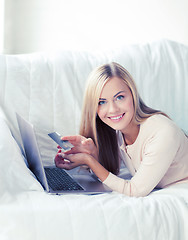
112 107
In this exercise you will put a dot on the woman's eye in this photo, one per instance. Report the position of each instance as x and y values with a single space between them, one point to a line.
102 102
120 97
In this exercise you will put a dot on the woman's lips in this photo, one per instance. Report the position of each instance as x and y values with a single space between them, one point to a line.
116 118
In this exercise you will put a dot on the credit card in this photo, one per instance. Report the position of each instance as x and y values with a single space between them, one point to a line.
64 144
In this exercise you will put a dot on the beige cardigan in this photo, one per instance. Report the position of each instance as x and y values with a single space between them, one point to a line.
158 158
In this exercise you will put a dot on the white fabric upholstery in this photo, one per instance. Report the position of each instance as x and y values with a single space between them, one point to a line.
47 90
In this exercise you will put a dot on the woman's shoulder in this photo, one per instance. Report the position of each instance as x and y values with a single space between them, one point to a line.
158 123
158 120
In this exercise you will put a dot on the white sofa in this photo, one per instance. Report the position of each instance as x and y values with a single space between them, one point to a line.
47 90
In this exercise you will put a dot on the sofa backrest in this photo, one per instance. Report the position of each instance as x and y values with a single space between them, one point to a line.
47 88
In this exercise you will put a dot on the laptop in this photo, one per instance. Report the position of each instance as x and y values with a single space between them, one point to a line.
55 180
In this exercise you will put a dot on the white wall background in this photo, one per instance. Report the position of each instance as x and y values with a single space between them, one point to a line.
38 25
1 24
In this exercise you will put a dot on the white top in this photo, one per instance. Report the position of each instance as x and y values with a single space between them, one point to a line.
158 158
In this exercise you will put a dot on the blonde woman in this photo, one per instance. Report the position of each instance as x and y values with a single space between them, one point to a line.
117 126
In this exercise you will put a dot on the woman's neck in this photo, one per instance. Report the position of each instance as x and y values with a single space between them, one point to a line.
131 134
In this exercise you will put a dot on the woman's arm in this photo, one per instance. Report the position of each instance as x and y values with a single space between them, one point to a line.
157 156
97 168
70 161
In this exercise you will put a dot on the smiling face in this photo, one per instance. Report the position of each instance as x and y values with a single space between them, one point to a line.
116 108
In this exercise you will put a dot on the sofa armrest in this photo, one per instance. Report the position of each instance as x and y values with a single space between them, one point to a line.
14 173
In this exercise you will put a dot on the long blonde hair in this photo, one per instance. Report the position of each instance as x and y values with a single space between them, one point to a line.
91 125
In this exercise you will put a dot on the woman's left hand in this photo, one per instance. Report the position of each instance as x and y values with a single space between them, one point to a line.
70 161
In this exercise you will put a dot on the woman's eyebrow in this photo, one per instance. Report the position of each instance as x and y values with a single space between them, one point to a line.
118 93
113 96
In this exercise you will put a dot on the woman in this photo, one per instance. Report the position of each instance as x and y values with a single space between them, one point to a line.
117 126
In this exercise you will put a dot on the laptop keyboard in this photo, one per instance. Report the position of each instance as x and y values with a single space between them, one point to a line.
58 179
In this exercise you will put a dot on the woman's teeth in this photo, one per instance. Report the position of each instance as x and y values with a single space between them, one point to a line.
115 118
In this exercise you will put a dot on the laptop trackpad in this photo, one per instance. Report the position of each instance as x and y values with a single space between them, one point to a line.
90 182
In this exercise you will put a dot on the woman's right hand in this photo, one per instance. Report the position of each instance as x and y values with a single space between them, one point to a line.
82 145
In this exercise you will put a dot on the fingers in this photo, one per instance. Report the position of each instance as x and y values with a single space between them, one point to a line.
76 139
62 158
60 162
69 138
87 141
63 163
58 159
71 151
